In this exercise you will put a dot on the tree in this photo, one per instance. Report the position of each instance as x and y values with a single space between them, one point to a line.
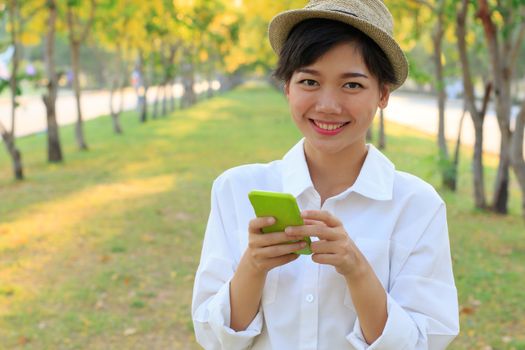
54 150
477 114
77 34
504 29
114 28
13 12
516 151
253 51
436 14
19 15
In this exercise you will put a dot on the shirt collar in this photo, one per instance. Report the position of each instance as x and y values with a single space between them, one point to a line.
296 175
375 180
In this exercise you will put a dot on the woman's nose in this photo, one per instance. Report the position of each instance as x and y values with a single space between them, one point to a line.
327 103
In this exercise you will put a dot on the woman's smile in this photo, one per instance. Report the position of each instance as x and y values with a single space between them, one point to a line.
328 128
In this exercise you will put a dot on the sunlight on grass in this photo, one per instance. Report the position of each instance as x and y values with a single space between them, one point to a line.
47 229
212 111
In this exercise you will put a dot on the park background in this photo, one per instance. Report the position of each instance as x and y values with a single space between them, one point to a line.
116 116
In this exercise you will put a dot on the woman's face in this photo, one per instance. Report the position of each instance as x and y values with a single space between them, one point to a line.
334 100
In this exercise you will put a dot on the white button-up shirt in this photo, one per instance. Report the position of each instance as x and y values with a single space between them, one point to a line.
397 221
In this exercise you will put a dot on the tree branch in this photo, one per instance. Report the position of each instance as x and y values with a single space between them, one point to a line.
89 23
71 24
468 86
484 14
517 46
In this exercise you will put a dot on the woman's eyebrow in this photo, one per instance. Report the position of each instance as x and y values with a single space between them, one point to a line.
343 76
354 75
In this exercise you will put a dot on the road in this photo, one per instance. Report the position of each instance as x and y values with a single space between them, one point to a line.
420 112
417 111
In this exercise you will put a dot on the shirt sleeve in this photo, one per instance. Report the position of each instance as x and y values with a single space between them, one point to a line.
211 292
422 302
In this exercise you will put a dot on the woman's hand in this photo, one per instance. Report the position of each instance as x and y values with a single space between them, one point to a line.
264 252
268 250
334 246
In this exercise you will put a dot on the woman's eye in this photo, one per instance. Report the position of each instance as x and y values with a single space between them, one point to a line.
308 82
353 85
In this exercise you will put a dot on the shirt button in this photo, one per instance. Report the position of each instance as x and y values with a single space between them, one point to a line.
309 298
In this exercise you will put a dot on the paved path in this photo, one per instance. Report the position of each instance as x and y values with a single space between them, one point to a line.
31 115
420 112
413 110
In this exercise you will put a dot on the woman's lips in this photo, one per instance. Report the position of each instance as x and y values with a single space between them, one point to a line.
328 128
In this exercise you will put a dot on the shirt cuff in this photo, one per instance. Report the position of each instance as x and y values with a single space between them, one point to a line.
400 331
220 313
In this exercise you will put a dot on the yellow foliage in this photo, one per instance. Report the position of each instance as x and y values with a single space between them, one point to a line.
29 39
203 55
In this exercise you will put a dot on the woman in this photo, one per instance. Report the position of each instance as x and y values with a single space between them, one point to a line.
380 275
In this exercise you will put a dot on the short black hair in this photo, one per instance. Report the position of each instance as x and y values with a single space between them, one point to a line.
312 38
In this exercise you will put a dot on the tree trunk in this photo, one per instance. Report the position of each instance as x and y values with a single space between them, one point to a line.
382 138
9 137
502 76
478 117
171 91
79 127
517 160
13 79
14 153
157 101
188 80
75 41
455 164
209 77
113 112
447 168
440 86
115 87
54 150
144 106
165 98
501 186
142 91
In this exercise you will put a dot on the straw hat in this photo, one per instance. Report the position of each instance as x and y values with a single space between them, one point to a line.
369 16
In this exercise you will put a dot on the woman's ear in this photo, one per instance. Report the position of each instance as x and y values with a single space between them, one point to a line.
384 97
286 89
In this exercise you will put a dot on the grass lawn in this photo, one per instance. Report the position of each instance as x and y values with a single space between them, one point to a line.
100 252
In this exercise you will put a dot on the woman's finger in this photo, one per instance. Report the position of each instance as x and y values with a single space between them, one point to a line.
325 247
257 224
322 232
268 239
321 215
313 222
278 250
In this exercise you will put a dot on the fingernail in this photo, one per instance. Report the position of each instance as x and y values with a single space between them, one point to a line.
288 230
271 220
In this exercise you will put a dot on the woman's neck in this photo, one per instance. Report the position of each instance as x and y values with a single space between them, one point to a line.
332 173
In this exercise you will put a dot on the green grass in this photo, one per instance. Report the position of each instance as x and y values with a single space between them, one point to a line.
100 252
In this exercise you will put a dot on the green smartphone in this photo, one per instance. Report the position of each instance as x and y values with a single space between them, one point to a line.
283 207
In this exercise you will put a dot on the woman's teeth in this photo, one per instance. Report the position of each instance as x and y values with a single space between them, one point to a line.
329 127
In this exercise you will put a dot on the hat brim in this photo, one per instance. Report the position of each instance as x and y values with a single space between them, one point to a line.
282 24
